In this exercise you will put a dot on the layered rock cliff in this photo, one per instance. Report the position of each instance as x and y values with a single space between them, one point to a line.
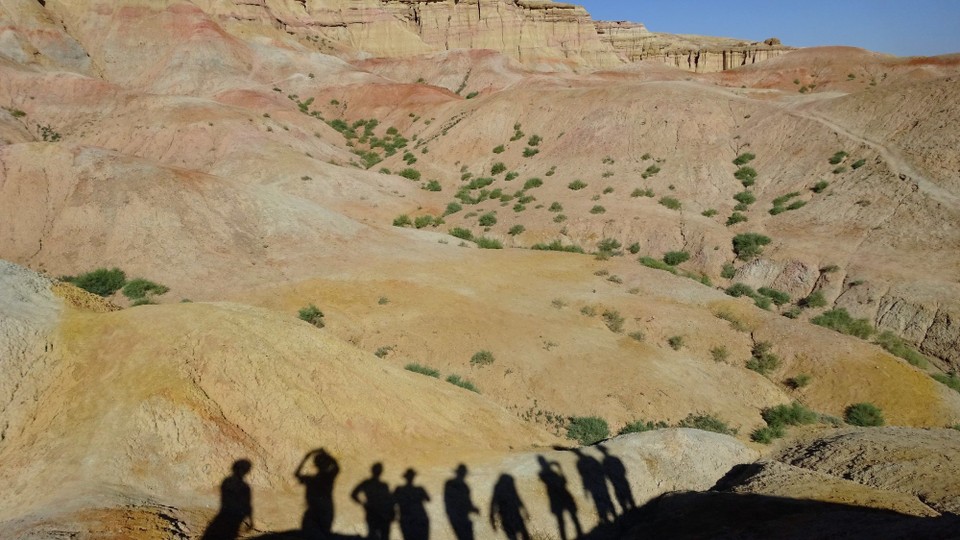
701 54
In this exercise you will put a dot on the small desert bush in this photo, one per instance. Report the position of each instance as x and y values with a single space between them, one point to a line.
587 430
499 149
706 422
674 258
410 174
709 212
676 342
719 353
779 297
794 414
799 381
951 380
896 346
577 185
457 380
671 203
452 208
743 159
820 186
814 300
735 218
839 320
484 242
838 158
312 315
639 426
461 233
745 197
598 210
650 262
763 361
482 358
138 289
556 207
102 282
557 245
746 175
532 183
423 370
498 168
863 415
516 229
488 220
402 221
637 336
613 320
749 245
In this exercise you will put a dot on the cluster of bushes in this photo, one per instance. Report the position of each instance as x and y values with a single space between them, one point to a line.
419 222
779 418
839 320
455 380
312 314
762 360
749 245
106 282
557 245
762 297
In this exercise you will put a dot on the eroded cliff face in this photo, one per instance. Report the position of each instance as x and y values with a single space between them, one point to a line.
539 33
701 54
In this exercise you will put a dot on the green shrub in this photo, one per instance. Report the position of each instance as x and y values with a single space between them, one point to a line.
499 149
840 170
637 336
433 185
402 221
423 221
511 176
839 320
530 152
556 207
657 264
763 361
312 315
675 342
706 422
534 140
140 288
859 163
423 370
838 158
746 175
735 218
749 245
484 242
634 248
674 258
743 159
651 171
709 212
482 358
557 245
951 380
719 353
609 245
516 229
779 297
577 185
587 430
799 381
410 174
102 282
382 352
488 220
613 320
745 197
478 183
597 209
639 426
589 311
898 347
740 289
456 380
728 272
768 434
670 203
794 414
820 186
497 168
452 208
814 300
863 415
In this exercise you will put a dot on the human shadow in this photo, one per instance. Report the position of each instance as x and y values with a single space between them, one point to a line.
507 509
377 500
459 505
411 500
561 501
236 505
616 472
595 485
317 520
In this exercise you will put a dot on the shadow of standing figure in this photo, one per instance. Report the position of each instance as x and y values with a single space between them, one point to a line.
456 498
561 501
236 505
616 472
411 501
595 485
318 517
507 508
374 494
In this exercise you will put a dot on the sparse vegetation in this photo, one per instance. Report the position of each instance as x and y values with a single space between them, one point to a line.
746 175
613 320
896 346
778 297
637 335
673 258
452 208
484 242
657 264
587 430
749 245
706 422
457 380
743 159
676 342
532 183
799 381
863 415
763 361
312 315
951 380
410 174
838 158
577 185
639 426
719 353
735 218
423 370
710 212
839 320
102 282
488 220
597 209
516 229
729 271
138 289
671 203
820 186
482 358
557 245
814 300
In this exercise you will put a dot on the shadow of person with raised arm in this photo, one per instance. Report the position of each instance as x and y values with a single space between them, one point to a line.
456 499
236 505
410 499
507 508
318 517
374 494
595 485
561 501
616 473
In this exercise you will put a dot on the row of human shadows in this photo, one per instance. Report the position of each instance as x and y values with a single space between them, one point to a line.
407 502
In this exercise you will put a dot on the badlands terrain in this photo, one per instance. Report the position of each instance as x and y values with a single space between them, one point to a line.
451 245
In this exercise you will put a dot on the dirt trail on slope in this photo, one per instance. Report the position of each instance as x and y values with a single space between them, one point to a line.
897 164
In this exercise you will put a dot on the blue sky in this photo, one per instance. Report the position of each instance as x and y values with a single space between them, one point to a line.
901 27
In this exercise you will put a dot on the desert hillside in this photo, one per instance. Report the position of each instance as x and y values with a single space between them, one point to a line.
472 242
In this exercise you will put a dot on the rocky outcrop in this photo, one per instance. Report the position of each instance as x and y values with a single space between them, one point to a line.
536 32
700 54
